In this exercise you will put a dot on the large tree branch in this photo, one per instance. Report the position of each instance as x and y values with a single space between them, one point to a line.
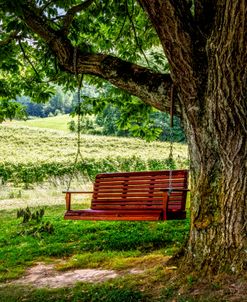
153 88
173 22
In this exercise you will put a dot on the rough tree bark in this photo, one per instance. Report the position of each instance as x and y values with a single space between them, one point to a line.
207 51
211 83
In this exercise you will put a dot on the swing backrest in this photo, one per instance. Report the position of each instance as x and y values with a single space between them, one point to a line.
139 190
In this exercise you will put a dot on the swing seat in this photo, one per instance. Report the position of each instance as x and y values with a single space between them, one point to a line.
134 196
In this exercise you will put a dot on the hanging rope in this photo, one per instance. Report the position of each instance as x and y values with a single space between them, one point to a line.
171 127
79 80
170 158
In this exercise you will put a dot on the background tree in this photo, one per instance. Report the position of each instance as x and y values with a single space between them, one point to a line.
204 42
59 103
121 114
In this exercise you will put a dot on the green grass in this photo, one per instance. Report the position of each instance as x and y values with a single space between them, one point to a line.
86 244
106 292
30 155
152 287
59 122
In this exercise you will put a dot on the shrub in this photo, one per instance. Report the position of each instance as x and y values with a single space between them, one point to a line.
32 223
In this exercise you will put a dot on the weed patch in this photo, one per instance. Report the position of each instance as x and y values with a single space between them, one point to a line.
32 223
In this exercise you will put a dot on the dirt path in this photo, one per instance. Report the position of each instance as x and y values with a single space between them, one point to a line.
45 275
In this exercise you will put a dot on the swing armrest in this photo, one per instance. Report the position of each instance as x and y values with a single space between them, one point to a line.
78 192
175 190
68 197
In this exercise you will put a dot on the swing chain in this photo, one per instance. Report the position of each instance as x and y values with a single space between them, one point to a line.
79 86
170 161
171 138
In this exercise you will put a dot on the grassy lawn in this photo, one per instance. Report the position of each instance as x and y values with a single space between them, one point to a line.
84 244
59 122
119 246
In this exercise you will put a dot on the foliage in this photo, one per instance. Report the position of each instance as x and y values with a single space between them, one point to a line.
121 114
105 117
155 126
32 223
27 216
60 103
30 155
108 112
99 30
31 67
88 125
11 110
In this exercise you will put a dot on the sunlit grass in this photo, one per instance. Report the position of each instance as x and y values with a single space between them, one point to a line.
31 155
87 244
133 259
59 122
24 144
44 194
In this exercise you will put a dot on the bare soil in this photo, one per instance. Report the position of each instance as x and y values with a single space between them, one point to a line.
45 275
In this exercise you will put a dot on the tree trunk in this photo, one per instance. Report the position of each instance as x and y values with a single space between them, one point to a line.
218 240
208 68
218 205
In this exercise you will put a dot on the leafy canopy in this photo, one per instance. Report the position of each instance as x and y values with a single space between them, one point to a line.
28 67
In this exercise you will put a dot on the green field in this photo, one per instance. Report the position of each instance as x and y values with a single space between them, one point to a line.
59 122
118 246
30 155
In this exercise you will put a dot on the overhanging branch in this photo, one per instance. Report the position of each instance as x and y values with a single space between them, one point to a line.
153 88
